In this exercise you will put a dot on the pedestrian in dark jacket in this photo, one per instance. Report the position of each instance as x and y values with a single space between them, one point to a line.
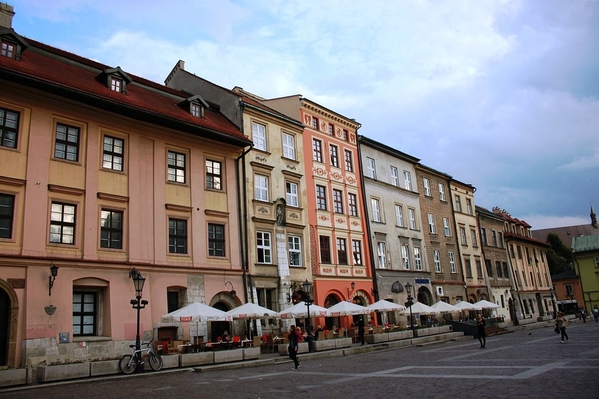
482 334
361 330
293 347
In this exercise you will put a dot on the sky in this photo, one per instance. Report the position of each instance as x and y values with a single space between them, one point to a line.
499 94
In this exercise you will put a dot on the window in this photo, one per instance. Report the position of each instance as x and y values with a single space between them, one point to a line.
261 187
291 191
9 126
112 156
494 237
177 236
267 297
479 268
345 134
334 153
431 224
441 191
468 268
176 167
84 313
342 251
213 175
394 176
399 215
216 239
295 250
489 266
331 129
67 142
111 229
498 269
370 168
427 186
116 84
452 267
315 122
317 150
352 204
519 251
437 260
62 223
376 214
596 262
325 249
8 49
194 109
321 198
405 257
458 203
288 146
483 236
357 251
338 201
417 258
446 227
463 236
381 255
407 178
172 301
7 204
474 240
349 161
412 216
469 206
259 136
501 243
263 244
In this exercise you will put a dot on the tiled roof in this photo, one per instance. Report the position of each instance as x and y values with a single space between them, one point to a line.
585 243
566 234
47 65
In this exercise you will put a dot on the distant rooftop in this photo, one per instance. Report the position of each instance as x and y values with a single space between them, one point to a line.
585 243
566 234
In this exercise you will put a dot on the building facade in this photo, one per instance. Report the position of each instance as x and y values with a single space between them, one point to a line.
586 262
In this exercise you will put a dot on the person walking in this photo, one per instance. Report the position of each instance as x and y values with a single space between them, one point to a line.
361 330
482 334
293 347
562 322
596 313
583 315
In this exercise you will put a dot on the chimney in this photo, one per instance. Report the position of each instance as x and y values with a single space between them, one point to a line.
6 14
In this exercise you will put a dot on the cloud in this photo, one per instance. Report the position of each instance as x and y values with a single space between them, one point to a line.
583 162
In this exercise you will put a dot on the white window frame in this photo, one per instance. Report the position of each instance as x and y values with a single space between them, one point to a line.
259 136
295 248
437 260
399 215
261 188
291 190
417 259
452 267
376 209
394 176
464 239
431 224
427 186
288 146
441 191
381 248
264 244
371 167
446 227
412 216
458 203
469 206
407 178
405 257
473 237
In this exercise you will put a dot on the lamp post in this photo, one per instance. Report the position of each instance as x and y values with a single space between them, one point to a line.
410 303
138 303
552 291
308 301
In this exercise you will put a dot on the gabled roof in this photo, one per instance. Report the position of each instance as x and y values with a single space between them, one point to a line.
68 75
566 234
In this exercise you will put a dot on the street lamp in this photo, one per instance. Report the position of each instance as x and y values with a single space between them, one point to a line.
410 303
138 303
552 291
308 301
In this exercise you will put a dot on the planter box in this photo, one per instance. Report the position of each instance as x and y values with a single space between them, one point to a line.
12 377
62 372
104 367
170 361
301 348
343 342
253 353
377 338
324 345
196 359
234 355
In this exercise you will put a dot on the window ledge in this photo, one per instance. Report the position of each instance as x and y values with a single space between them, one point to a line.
91 338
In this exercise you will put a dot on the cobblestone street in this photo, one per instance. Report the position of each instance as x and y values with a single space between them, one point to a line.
523 364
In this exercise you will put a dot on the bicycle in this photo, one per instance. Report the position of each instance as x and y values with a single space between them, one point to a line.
129 363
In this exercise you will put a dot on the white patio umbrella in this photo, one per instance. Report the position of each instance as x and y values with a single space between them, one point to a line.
251 311
300 310
385 306
419 308
444 307
345 308
465 305
195 312
484 304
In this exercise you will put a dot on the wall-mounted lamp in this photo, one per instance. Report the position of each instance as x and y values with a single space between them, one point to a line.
351 290
233 293
51 278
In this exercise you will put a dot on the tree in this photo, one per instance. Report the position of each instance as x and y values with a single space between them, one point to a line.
559 257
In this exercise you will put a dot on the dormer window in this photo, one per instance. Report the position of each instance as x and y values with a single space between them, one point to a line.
115 79
116 84
195 105
8 50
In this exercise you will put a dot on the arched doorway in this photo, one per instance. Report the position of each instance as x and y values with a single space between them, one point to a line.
424 296
329 301
219 327
359 299
4 326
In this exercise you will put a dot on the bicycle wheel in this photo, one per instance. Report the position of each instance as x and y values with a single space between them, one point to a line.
155 361
128 364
